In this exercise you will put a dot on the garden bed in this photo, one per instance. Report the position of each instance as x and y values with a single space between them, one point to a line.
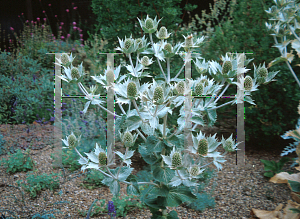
238 189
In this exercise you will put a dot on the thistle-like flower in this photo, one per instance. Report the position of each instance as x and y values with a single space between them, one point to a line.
227 66
71 141
163 33
65 59
149 25
248 83
127 138
174 160
204 81
97 158
128 46
202 147
73 74
145 61
262 72
168 47
190 43
131 90
158 93
199 89
229 144
195 171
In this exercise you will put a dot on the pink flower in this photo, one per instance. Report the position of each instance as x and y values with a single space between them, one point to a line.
49 5
35 22
32 22
73 49
80 30
81 39
43 26
11 28
75 8
61 23
68 35
72 3
62 37
26 21
80 35
55 15
60 27
74 28
44 12
52 34
22 13
18 15
74 23
10 40
45 19
54 38
67 10
81 45
38 18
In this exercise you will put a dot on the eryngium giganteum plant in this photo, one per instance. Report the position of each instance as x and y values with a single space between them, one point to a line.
174 168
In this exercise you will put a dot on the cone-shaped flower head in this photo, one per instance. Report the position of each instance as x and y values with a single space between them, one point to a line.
128 43
262 72
72 140
202 147
145 61
227 66
168 47
248 83
158 93
75 73
176 159
228 145
195 171
127 139
64 58
199 89
131 89
149 25
180 87
163 33
102 159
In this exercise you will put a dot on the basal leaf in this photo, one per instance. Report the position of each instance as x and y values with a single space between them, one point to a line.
163 174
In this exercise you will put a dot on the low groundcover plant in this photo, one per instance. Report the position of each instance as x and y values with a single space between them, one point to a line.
175 168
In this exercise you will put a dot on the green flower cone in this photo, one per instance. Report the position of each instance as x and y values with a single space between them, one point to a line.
202 147
131 89
102 159
248 83
176 159
227 66
158 93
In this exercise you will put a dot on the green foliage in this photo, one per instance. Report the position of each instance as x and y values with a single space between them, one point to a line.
118 20
2 145
93 180
246 32
18 162
272 167
36 183
32 96
124 205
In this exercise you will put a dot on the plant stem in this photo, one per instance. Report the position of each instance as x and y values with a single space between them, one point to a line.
134 103
179 175
179 71
150 34
110 172
288 64
168 69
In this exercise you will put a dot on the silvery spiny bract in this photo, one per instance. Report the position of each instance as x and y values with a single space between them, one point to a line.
163 33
